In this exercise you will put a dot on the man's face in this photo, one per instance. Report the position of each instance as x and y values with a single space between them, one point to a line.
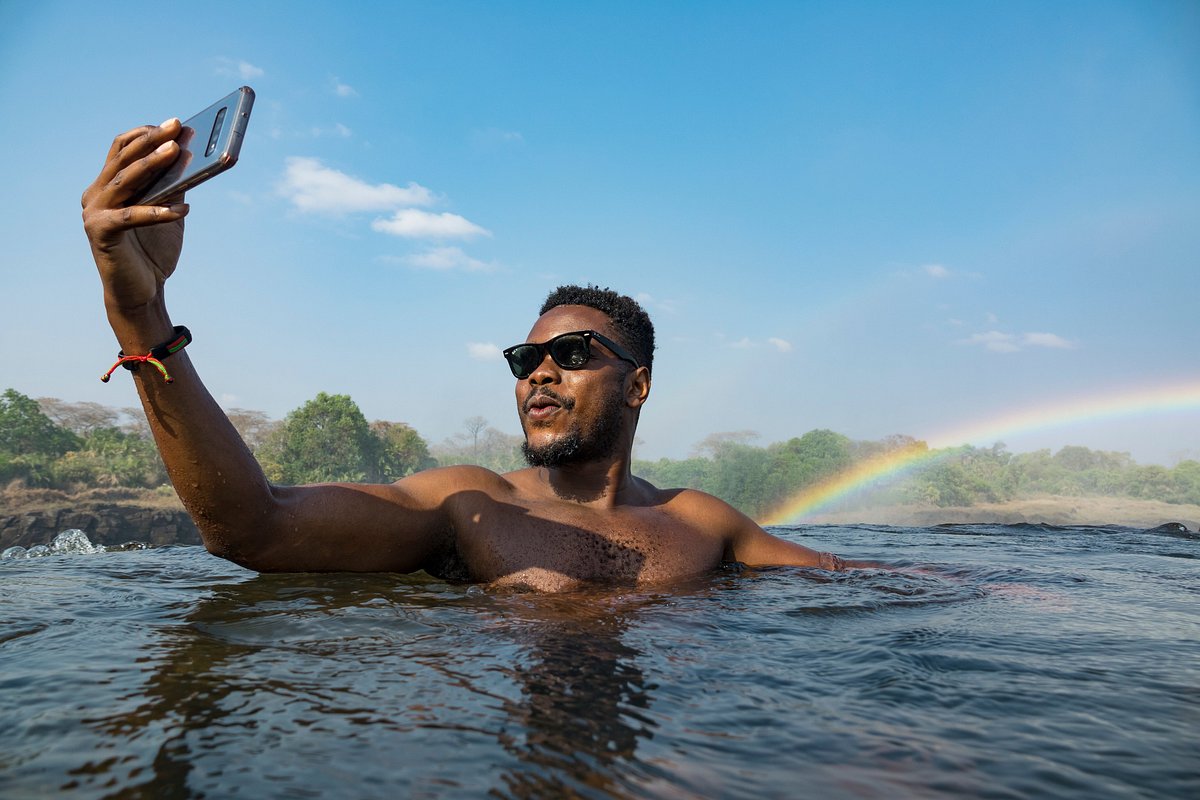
572 416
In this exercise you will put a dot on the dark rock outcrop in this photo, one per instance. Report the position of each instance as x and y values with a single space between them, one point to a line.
107 524
1176 529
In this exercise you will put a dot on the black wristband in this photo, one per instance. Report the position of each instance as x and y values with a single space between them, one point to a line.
181 339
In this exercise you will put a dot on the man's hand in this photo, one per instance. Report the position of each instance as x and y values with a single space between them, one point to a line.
136 247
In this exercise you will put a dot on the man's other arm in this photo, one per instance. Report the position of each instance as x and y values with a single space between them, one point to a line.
746 542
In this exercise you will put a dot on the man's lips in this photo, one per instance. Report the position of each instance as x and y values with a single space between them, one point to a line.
543 403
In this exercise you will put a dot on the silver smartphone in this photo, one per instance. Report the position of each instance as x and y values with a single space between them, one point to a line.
209 145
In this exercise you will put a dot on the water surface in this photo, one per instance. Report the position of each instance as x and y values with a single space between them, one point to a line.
1002 661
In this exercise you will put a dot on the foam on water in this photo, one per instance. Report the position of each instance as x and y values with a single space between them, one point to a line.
68 543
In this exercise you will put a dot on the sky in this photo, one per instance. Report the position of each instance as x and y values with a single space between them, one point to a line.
876 218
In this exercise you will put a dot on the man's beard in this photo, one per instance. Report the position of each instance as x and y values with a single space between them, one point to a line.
575 447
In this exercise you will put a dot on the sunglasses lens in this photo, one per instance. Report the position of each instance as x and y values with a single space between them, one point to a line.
523 360
570 351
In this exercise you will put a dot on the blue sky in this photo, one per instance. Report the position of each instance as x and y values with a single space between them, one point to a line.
871 217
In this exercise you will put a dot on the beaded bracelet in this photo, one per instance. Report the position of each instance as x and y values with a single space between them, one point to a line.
157 354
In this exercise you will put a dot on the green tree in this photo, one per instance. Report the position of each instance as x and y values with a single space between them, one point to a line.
801 462
740 476
326 440
690 473
1185 482
949 485
1037 473
1151 483
25 430
111 457
30 441
402 450
820 453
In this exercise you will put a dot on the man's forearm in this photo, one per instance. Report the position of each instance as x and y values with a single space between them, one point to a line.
214 473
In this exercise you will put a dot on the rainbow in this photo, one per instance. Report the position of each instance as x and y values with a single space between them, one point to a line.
895 464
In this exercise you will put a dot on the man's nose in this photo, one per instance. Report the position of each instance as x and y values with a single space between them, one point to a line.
546 372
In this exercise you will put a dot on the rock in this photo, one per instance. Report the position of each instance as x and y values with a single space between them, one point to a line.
107 524
1177 529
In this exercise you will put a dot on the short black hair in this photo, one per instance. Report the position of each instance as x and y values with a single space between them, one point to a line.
633 326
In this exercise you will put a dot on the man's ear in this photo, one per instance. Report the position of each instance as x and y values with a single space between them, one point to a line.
637 387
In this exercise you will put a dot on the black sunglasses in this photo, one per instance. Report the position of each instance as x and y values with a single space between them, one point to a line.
569 350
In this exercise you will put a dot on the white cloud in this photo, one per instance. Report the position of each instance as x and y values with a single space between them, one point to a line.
746 343
447 258
484 351
999 342
344 89
992 319
413 223
1048 340
311 186
995 341
244 70
936 271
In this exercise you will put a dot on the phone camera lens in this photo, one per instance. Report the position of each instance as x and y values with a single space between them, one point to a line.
216 132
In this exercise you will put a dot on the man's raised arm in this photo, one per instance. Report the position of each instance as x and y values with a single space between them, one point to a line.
241 516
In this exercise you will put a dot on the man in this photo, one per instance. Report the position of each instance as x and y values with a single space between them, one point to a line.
575 515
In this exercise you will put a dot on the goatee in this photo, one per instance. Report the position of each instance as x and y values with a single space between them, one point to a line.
575 447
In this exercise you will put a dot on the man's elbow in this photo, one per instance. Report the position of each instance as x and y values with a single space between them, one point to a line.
243 539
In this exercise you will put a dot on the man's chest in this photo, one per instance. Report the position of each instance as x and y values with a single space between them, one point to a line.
555 547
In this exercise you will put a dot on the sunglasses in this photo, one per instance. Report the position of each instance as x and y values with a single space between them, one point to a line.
569 350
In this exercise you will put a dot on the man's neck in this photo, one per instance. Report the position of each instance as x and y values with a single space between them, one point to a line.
600 483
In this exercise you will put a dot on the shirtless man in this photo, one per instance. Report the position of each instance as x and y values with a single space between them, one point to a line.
575 515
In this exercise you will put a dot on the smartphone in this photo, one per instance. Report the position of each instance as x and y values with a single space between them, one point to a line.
209 145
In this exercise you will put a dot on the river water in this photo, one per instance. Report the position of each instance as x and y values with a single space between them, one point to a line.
999 661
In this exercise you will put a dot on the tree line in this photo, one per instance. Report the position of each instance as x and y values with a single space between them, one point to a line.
759 480
72 446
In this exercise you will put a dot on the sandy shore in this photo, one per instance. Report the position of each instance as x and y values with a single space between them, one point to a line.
1050 509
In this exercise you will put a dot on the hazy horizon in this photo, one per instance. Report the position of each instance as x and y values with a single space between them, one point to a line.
747 436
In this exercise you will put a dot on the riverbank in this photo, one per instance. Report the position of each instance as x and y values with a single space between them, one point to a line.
114 516
30 517
1048 509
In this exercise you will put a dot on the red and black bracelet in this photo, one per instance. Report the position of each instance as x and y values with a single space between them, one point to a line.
157 355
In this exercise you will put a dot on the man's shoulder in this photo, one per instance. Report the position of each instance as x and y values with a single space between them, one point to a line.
693 502
456 478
